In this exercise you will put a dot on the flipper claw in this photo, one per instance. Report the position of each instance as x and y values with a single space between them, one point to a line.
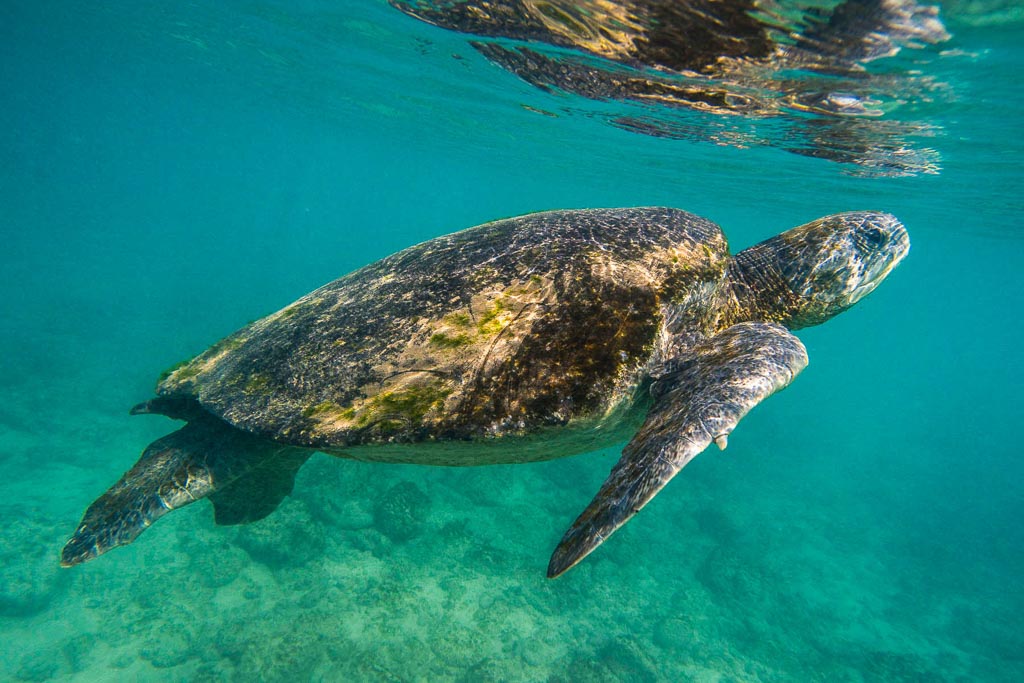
698 404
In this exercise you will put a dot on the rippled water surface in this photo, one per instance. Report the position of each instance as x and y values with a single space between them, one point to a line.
172 171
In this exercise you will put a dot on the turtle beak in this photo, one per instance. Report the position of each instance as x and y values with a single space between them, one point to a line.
882 243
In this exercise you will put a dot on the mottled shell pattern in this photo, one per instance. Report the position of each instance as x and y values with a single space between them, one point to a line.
501 329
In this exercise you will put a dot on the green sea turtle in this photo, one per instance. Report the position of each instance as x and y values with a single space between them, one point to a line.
520 340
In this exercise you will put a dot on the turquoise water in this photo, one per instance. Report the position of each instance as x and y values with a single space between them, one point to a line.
171 172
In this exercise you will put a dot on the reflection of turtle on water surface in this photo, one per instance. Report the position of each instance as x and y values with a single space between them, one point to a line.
525 339
794 62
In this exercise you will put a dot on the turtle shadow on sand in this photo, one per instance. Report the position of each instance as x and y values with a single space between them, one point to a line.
524 339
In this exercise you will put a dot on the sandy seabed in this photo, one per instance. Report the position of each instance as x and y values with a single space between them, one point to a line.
398 573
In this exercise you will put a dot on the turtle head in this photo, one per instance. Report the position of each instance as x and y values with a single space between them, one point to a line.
810 273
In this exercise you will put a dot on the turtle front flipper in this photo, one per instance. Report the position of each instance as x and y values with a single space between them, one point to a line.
700 399
246 477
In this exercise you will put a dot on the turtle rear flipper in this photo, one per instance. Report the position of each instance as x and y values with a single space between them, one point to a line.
245 476
699 400
252 497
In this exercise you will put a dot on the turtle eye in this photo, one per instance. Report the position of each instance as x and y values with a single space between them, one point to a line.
873 237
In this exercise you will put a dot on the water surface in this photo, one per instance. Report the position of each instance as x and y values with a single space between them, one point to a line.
174 171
